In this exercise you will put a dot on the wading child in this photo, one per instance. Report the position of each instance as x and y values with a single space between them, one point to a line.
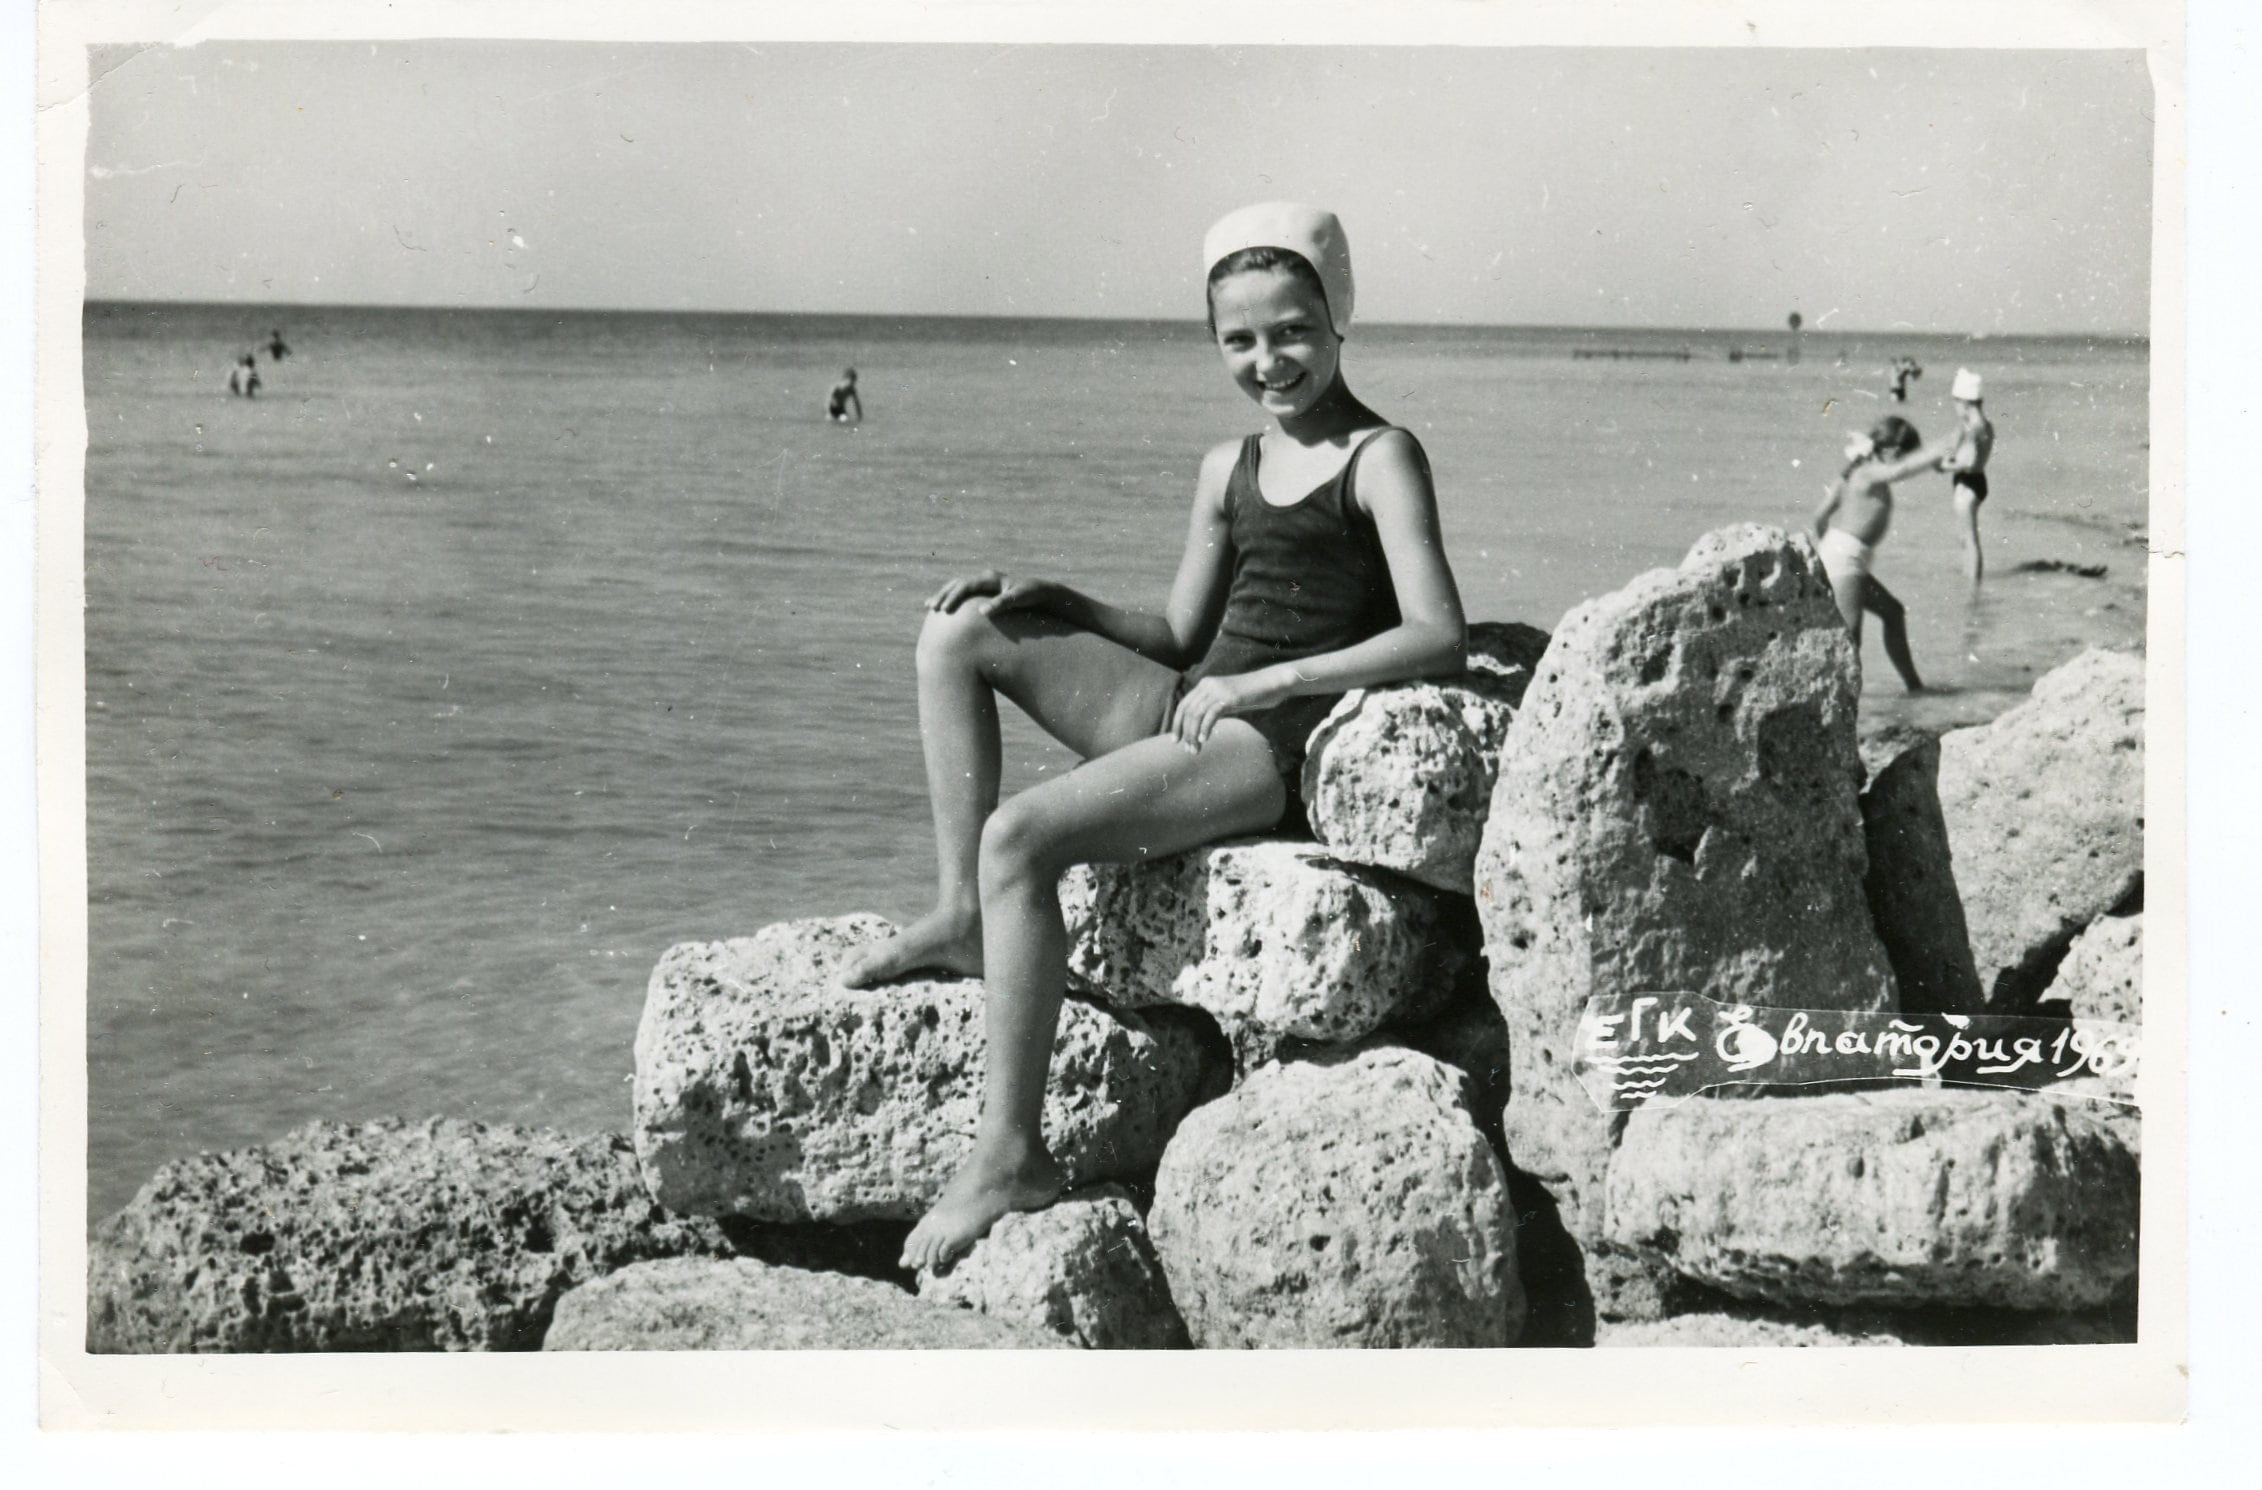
843 398
1851 522
1313 565
1966 465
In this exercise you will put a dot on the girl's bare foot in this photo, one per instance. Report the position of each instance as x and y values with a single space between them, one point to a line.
997 1180
945 941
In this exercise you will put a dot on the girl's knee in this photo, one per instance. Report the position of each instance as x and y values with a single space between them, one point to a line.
952 638
1018 843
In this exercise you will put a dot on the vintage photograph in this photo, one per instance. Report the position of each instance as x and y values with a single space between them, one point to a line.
833 695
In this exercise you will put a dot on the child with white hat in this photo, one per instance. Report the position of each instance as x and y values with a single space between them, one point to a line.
1313 565
1966 466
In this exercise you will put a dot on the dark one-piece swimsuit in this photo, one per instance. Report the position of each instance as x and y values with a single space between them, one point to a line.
1308 577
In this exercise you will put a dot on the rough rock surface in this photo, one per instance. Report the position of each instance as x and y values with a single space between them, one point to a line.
1082 1269
1344 1201
387 1235
1745 1325
2103 974
1275 935
685 1304
1899 1197
765 1089
1401 777
1676 809
2045 814
1911 884
1733 1331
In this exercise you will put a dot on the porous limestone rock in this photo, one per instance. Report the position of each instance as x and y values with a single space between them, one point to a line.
1899 1197
1677 809
1265 934
1346 1200
1401 777
684 1304
1082 1269
765 1089
1911 884
1751 1325
2102 977
2045 814
386 1235
1734 1331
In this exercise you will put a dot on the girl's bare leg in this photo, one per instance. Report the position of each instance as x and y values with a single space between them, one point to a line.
1851 591
1894 618
1967 518
1086 691
1146 800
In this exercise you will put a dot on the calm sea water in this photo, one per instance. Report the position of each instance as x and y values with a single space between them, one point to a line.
436 692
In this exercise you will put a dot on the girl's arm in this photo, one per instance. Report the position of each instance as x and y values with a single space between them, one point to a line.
1926 459
1430 639
1197 597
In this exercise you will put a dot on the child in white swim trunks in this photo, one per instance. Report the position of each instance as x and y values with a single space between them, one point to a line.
1851 522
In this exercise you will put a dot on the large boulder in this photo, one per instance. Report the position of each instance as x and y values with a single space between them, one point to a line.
1401 777
1900 1197
1677 809
1911 883
765 1089
2045 814
386 1235
1269 936
1345 1201
684 1304
1082 1269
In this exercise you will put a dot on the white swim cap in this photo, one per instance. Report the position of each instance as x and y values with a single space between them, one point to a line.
1309 231
1966 385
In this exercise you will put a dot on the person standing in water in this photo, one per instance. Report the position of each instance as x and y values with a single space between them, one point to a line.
843 398
243 378
1313 564
1903 369
1966 466
276 347
1851 522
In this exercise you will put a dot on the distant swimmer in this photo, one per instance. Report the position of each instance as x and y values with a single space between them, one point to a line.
276 347
1851 522
1902 370
843 398
1966 465
243 378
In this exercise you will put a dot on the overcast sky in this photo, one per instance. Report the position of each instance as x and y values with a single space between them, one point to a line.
1937 190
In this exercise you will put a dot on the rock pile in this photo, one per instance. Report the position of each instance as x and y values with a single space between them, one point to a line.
1341 1068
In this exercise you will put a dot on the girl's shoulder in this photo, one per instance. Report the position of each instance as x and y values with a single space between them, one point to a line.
1217 471
1390 460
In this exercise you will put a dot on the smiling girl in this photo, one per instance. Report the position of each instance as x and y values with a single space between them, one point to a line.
1313 565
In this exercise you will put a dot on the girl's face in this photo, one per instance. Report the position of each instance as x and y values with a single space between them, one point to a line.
1278 343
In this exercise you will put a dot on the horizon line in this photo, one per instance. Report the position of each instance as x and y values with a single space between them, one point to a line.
2142 335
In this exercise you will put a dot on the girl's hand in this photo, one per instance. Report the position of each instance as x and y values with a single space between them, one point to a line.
1218 698
994 591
